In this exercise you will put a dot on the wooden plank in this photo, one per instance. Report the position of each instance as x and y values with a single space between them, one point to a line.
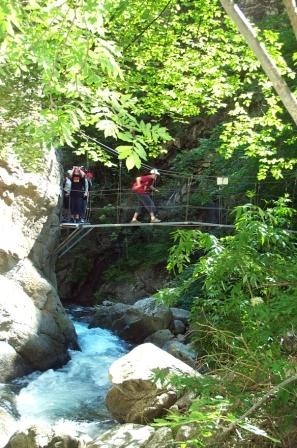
145 224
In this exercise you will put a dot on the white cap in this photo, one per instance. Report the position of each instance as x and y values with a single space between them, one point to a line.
154 171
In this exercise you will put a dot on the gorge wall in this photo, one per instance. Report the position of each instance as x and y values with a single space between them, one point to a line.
255 9
34 329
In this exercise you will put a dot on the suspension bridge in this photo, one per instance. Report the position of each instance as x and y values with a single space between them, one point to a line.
80 231
178 203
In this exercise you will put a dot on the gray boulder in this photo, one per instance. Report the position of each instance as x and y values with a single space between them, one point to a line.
186 432
143 281
165 340
181 337
134 436
42 436
7 426
30 338
178 327
35 332
181 314
162 438
133 322
160 337
181 351
135 396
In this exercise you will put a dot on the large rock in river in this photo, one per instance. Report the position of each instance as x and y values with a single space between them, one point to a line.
134 436
135 397
42 436
133 322
32 337
35 332
7 426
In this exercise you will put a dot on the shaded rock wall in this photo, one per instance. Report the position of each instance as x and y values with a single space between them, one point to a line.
256 10
81 273
34 329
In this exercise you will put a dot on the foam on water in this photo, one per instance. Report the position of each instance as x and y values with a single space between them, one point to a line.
72 398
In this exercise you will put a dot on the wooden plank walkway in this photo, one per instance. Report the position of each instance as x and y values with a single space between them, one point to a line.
81 230
145 224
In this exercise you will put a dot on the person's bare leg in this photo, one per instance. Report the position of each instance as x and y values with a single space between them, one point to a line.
135 216
153 218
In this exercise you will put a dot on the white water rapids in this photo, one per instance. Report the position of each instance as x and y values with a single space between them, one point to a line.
71 398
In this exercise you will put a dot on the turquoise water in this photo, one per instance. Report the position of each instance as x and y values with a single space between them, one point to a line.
72 398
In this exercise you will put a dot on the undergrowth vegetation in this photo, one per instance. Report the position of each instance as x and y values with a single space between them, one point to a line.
244 321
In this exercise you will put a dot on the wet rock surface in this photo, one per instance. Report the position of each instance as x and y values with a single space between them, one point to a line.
35 332
136 396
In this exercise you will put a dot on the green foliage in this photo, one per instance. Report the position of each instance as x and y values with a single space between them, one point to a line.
246 275
119 273
186 59
210 413
118 67
177 62
258 124
205 413
146 249
247 305
59 56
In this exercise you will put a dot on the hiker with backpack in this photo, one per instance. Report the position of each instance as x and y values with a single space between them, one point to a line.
142 187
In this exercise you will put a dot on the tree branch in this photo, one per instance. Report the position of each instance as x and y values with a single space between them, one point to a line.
147 26
257 405
291 8
266 61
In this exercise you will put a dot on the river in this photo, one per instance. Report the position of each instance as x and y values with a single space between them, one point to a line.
71 398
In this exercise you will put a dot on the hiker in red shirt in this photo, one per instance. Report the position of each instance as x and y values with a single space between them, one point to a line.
142 187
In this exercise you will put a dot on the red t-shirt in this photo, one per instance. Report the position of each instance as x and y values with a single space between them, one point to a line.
145 184
90 175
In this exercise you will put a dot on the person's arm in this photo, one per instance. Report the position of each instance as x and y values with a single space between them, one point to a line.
86 192
151 186
67 187
138 181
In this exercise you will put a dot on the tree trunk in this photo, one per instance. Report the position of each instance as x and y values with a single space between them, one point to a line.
267 63
291 8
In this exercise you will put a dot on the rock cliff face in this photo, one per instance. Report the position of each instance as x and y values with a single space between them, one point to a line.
34 329
255 9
